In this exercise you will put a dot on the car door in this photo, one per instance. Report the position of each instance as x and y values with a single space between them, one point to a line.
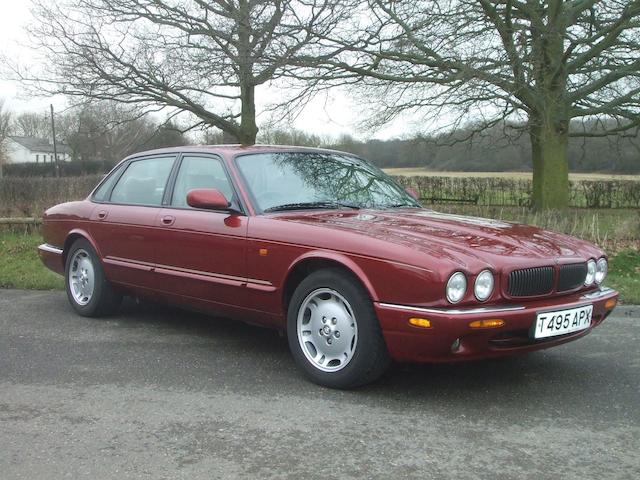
124 223
203 252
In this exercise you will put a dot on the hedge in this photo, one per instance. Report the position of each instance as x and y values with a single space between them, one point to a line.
496 191
30 196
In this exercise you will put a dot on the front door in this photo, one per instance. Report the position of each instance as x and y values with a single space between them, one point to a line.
203 252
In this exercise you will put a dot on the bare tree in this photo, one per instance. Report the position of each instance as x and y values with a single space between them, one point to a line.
31 124
5 126
203 57
541 62
107 131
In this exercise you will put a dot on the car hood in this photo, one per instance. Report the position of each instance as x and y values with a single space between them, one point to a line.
459 238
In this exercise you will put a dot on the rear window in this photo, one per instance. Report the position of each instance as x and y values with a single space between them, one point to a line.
143 182
102 192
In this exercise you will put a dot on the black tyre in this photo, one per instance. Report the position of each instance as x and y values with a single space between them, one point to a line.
333 332
88 290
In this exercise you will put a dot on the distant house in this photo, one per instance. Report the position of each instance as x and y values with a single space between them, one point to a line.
35 150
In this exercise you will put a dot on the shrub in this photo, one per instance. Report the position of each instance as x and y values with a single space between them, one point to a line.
31 196
518 192
67 169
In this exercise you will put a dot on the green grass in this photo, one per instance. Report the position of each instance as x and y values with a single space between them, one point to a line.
624 275
20 267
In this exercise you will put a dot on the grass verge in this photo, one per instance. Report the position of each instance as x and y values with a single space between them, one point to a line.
20 267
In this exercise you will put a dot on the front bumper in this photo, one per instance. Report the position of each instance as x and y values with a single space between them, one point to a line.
450 338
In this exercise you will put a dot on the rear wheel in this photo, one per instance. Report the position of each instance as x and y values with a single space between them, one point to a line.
333 331
88 290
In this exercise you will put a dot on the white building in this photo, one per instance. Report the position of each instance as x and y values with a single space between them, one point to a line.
35 150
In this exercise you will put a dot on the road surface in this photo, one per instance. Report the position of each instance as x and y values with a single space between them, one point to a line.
161 393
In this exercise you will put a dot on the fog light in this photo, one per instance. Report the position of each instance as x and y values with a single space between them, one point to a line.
491 323
420 322
609 304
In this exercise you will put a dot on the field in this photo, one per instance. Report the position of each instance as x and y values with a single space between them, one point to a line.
576 177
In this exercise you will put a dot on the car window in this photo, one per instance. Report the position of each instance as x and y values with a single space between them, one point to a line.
290 179
200 172
100 195
143 182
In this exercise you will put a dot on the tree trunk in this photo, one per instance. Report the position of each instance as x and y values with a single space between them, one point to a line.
248 129
549 148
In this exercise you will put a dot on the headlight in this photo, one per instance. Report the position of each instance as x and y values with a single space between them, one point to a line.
456 286
484 285
591 273
601 270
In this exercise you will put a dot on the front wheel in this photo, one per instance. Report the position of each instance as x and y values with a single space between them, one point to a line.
88 290
333 331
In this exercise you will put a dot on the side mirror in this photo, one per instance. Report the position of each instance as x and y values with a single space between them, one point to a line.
207 198
413 192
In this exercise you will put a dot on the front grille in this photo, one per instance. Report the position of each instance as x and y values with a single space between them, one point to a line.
530 281
571 276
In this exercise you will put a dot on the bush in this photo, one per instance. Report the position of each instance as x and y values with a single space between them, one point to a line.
518 192
31 196
67 169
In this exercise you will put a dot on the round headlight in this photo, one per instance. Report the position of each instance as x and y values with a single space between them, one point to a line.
591 273
484 285
601 270
456 286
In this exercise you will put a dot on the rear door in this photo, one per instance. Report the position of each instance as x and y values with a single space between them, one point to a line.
203 252
124 224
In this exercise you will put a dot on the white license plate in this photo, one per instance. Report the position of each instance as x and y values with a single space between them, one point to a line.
560 322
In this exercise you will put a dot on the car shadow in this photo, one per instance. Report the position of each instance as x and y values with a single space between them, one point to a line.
252 357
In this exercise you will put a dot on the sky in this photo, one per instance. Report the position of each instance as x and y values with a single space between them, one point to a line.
326 115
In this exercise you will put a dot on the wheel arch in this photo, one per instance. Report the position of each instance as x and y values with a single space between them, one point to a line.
74 235
314 261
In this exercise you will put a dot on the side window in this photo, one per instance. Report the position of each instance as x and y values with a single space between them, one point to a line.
200 172
100 195
143 182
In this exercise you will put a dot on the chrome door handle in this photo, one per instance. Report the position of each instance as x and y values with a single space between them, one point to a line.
102 214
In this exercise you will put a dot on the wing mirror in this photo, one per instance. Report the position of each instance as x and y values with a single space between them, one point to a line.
207 198
413 192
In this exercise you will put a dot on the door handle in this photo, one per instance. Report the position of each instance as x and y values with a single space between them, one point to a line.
168 220
102 214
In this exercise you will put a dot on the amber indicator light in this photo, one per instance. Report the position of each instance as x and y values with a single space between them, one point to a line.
420 322
263 252
491 323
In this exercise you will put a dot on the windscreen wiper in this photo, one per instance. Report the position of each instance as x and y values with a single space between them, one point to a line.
310 206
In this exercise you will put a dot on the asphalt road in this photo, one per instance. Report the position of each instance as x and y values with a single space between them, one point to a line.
159 393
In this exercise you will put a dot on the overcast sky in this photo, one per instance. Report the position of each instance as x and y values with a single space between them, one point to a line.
326 115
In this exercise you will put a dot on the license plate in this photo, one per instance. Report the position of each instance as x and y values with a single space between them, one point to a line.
560 322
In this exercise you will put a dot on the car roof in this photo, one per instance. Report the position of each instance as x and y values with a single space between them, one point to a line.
233 150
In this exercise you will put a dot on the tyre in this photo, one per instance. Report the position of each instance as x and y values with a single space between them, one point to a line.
333 332
88 290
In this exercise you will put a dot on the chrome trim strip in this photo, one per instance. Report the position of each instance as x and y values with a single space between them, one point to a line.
50 248
598 293
453 311
179 271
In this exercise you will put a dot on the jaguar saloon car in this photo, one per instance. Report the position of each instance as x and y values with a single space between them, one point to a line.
324 246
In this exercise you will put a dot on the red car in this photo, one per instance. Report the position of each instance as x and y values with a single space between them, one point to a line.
327 247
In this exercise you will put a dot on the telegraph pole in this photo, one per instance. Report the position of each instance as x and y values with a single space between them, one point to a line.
55 148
